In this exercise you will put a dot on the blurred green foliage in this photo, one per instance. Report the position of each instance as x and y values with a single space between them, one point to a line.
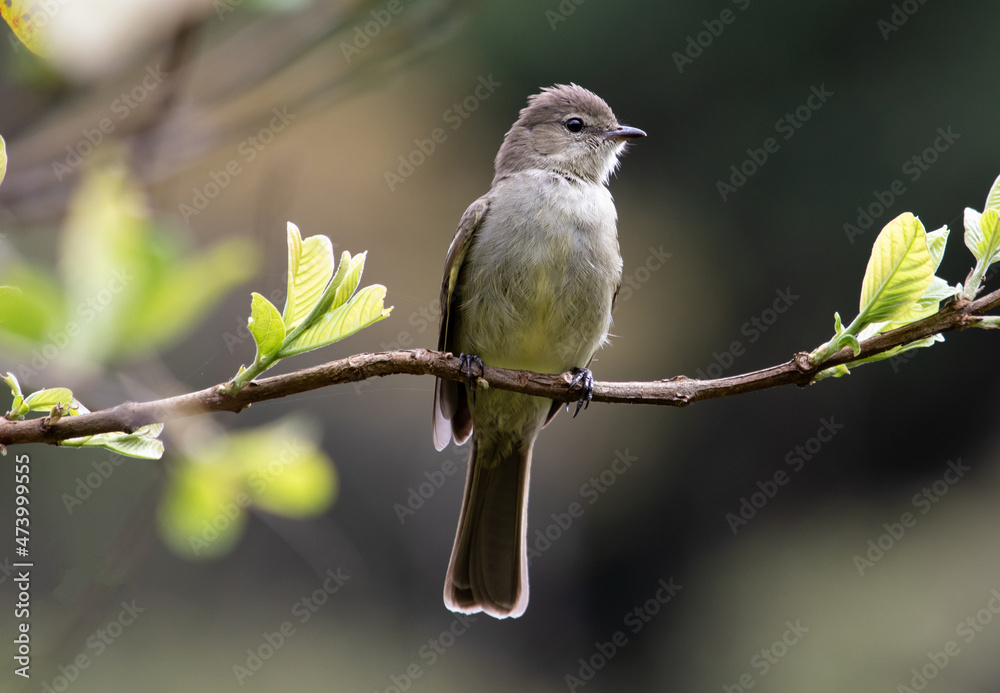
126 286
277 468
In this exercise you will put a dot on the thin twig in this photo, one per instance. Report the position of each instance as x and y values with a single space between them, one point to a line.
678 391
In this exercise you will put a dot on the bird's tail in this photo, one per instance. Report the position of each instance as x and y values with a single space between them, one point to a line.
489 564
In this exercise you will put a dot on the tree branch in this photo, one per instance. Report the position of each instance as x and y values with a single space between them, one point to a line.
678 391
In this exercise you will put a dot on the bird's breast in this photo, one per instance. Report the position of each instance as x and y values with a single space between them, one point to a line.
540 275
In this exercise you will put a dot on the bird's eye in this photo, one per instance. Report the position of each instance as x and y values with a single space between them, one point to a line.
574 125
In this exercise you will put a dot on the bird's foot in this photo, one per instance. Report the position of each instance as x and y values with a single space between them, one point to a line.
466 363
585 379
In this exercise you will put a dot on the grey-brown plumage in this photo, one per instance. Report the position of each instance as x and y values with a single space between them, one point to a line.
529 283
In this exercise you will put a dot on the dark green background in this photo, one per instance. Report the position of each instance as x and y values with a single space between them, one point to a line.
665 518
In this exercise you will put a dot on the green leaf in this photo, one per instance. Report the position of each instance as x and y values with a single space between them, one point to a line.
266 326
939 290
842 370
899 270
982 234
179 292
15 386
316 313
364 309
841 337
200 516
993 198
9 293
310 266
27 19
129 285
285 471
923 343
102 252
927 305
3 159
305 488
896 351
936 242
340 288
350 278
835 372
338 279
973 234
17 409
278 468
31 315
849 340
838 325
142 444
988 322
44 400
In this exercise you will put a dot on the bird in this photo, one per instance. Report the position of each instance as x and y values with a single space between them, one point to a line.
530 281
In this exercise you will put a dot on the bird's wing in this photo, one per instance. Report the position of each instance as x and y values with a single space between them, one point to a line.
451 409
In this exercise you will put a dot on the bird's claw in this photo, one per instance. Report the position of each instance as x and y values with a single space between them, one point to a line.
466 363
585 379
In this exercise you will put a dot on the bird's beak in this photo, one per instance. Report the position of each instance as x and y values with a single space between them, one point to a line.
623 132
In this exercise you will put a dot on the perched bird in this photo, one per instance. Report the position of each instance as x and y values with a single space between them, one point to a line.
529 283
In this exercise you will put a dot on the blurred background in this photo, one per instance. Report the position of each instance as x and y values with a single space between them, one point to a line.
839 537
